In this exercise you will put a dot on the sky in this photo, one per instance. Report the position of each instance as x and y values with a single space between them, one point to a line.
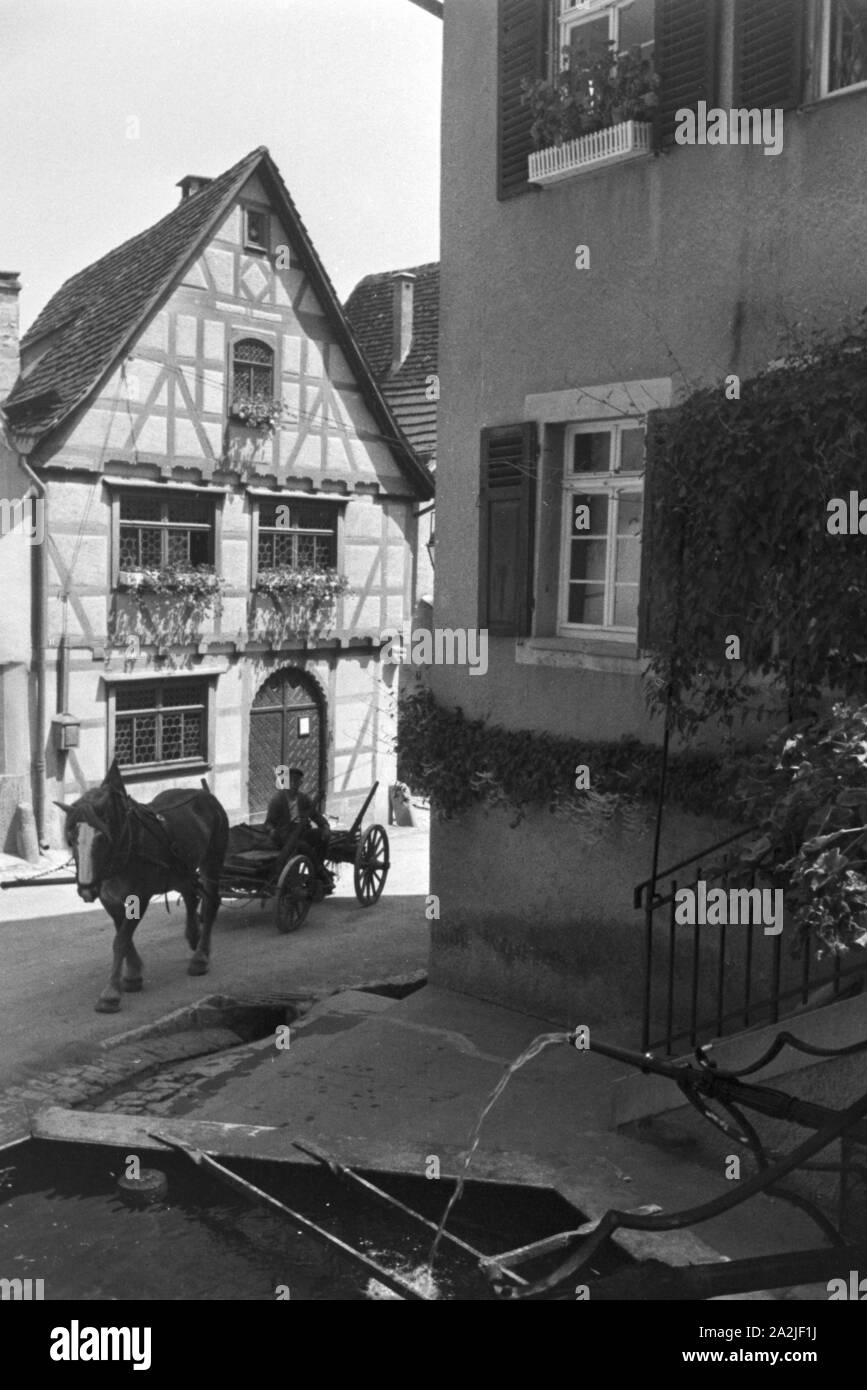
105 104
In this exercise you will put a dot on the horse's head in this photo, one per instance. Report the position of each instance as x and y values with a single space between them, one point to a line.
93 827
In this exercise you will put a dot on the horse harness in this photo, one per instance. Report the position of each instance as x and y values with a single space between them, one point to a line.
154 824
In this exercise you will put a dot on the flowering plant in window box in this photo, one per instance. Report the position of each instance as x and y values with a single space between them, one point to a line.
257 412
168 608
302 601
317 585
198 582
595 89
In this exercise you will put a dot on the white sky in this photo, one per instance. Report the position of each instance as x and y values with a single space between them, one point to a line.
345 94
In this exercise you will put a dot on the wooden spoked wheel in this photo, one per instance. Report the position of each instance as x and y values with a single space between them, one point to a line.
371 865
295 893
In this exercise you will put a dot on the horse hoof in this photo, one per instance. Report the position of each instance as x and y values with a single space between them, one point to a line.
107 1006
131 986
197 967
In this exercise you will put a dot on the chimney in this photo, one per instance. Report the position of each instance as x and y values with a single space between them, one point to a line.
402 302
10 288
190 184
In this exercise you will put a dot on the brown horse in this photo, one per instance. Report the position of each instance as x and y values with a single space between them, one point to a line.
127 853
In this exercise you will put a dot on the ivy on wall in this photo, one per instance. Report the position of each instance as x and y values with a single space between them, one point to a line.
737 529
460 763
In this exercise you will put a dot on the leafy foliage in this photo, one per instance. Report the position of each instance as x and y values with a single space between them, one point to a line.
594 89
199 582
257 412
738 527
164 607
460 762
808 794
302 602
315 584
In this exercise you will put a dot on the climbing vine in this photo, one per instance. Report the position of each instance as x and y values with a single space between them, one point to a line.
737 528
460 762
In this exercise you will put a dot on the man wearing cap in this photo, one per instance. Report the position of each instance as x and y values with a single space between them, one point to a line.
295 823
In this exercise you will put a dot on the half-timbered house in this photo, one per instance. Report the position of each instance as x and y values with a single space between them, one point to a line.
229 508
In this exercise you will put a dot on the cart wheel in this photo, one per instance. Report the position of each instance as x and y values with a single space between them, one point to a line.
371 865
294 893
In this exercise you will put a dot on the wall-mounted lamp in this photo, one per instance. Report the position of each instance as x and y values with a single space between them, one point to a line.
431 547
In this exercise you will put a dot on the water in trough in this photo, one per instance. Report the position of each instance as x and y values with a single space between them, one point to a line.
62 1221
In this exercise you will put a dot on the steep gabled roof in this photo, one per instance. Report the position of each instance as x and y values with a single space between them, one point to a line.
97 315
407 390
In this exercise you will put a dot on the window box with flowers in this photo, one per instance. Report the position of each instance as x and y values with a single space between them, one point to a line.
256 412
168 608
303 601
597 110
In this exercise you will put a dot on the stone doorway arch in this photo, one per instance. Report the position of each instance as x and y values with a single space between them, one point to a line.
287 728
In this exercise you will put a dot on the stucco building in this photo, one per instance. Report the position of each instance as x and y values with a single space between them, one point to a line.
210 447
577 297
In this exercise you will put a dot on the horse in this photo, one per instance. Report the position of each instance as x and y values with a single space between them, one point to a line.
126 853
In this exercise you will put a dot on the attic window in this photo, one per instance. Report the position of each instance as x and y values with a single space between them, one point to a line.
255 229
252 370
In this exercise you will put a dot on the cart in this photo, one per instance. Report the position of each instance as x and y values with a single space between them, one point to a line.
251 872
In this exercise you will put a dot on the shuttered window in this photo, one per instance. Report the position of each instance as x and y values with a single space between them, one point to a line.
506 526
522 49
768 53
685 57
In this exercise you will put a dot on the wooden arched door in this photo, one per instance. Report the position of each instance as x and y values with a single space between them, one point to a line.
287 728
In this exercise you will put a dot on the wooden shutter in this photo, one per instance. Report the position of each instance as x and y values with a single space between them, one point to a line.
768 53
653 534
506 527
523 26
685 56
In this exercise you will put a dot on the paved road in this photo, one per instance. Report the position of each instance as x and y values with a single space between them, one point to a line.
55 955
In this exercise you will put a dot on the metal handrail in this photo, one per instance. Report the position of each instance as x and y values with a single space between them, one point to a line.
701 1083
638 891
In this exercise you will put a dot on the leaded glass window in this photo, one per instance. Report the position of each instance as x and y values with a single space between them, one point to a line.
296 535
160 723
252 370
157 531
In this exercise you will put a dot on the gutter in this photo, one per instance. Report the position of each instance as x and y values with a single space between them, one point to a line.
39 630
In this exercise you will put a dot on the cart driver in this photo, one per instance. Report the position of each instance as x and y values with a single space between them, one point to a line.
296 825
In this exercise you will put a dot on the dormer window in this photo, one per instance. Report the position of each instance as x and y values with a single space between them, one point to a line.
255 229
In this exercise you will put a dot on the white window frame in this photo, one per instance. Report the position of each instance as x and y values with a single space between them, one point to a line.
825 90
571 16
613 484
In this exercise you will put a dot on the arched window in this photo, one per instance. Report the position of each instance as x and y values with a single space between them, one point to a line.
252 370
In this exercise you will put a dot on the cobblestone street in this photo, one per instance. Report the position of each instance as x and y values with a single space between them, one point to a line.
54 957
